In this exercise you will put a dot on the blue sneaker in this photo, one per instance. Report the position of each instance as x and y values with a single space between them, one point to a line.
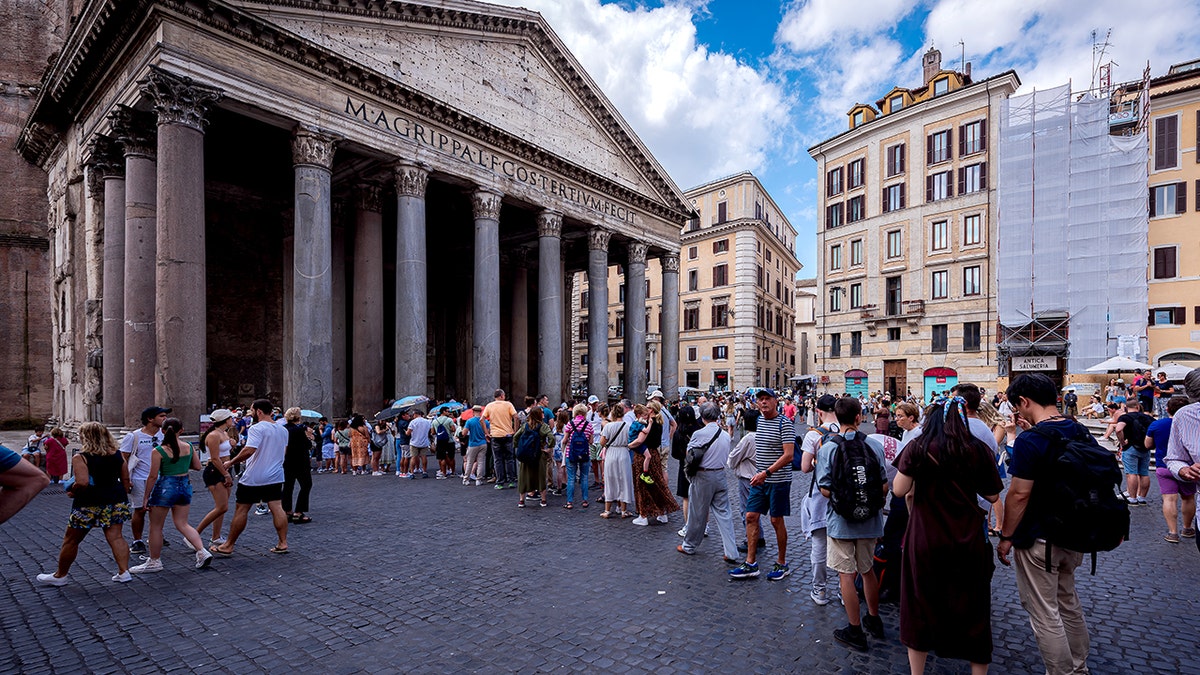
778 572
744 571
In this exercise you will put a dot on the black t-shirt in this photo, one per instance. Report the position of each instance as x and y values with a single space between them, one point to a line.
1138 423
104 481
1032 456
750 417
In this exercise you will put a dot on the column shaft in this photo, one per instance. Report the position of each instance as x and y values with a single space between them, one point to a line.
635 323
598 312
412 300
550 304
340 311
520 331
113 308
485 336
670 326
367 303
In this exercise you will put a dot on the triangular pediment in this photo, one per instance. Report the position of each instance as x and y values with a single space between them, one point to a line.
518 80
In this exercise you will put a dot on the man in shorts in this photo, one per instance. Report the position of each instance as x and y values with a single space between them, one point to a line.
420 437
403 450
1173 491
262 481
140 443
770 488
1183 446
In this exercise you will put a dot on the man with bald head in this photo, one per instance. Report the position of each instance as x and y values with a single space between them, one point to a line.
1183 448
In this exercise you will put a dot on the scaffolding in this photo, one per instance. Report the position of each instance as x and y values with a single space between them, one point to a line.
1073 230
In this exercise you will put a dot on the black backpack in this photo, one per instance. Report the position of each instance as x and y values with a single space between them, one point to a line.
1082 506
1135 431
857 476
529 445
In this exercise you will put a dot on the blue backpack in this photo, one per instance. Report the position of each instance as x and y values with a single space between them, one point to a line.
529 445
579 449
442 433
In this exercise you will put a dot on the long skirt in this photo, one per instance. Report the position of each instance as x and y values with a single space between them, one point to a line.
618 476
531 475
652 499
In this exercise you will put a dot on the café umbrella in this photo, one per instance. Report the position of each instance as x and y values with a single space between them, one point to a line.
400 406
1118 364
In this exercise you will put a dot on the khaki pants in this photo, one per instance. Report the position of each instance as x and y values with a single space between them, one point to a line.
1053 606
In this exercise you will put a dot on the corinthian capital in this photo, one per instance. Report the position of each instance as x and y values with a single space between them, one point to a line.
368 197
549 224
105 157
135 131
598 239
312 148
670 262
486 204
411 179
637 252
178 99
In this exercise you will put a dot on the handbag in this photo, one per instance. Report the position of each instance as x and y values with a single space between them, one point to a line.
696 455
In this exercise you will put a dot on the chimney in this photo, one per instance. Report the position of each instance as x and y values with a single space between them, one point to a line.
967 72
933 64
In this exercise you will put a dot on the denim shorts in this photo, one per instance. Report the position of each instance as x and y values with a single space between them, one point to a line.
171 491
773 499
1137 462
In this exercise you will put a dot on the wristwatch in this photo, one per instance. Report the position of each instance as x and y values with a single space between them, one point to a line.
1004 538
768 472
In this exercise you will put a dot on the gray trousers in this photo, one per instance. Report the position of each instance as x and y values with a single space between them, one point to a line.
709 490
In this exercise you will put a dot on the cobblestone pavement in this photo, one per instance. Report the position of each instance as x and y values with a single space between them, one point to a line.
431 576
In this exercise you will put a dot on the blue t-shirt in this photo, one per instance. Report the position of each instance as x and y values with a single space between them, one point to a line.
635 430
476 433
1160 431
1031 458
327 434
8 459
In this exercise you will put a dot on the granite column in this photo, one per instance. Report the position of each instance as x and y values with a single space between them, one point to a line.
366 359
635 323
550 303
485 334
111 165
598 239
412 283
519 352
669 330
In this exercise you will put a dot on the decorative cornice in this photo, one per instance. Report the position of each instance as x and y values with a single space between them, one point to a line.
637 252
549 224
105 157
670 262
598 239
178 99
411 179
135 131
368 197
312 148
486 204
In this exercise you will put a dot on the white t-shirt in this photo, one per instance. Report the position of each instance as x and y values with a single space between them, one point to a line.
141 445
265 466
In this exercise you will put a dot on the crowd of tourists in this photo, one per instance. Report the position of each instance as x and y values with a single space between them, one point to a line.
898 509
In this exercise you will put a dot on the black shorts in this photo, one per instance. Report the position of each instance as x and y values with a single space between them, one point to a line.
212 476
445 450
345 450
253 494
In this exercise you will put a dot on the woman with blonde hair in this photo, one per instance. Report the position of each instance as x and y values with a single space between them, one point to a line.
100 499
169 489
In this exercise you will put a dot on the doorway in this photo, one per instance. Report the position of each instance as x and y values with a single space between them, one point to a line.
895 377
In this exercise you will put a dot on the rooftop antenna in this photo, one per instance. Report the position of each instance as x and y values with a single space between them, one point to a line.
962 63
1099 49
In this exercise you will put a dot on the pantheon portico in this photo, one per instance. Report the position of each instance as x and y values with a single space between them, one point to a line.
335 203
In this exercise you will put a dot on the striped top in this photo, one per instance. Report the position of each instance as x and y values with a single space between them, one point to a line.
768 446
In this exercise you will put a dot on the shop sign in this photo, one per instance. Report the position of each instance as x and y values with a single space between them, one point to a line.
1034 363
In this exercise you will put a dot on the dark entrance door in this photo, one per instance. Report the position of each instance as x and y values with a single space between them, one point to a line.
895 377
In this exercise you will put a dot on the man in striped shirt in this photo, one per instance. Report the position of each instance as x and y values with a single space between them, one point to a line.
771 486
1183 448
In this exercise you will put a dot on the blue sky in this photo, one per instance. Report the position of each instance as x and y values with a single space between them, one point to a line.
714 87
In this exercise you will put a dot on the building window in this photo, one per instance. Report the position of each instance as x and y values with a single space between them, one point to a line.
720 316
583 298
1166 143
720 353
971 280
693 280
758 276
721 212
621 293
893 197
620 358
620 323
833 215
971 336
972 230
893 296
856 252
583 330
1168 200
835 299
859 117
692 379
941 86
895 160
721 246
856 296
971 138
854 174
648 288
940 236
972 178
691 354
1168 316
939 186
1164 262
833 182
691 318
937 147
767 253
835 257
583 359
693 252
941 340
941 285
895 244
856 209
856 343
894 334
835 345
720 275
896 103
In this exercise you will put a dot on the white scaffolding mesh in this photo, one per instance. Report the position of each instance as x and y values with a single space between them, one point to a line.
1072 222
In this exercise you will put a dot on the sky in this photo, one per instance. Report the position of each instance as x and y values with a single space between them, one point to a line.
719 86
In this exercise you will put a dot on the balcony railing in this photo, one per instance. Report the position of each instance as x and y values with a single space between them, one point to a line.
868 311
913 307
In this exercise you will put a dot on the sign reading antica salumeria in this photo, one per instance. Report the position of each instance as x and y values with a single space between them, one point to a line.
463 150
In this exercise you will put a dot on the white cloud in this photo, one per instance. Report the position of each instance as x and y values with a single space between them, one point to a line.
703 114
811 24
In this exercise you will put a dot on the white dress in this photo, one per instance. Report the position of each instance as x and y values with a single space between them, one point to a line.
618 470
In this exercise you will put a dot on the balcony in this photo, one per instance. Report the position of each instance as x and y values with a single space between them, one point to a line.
868 311
910 308
909 311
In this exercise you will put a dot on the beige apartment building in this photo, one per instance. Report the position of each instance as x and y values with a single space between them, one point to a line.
806 327
737 266
906 238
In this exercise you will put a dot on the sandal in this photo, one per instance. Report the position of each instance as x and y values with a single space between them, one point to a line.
521 504
217 551
280 551
626 514
606 514
584 504
568 506
301 519
543 503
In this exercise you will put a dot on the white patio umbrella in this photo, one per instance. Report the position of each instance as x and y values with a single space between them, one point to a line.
1175 371
1118 364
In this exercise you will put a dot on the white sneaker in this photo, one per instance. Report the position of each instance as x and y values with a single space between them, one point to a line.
203 558
376 473
123 577
399 475
151 565
478 482
466 480
663 519
51 580
218 541
682 531
640 521
440 476
188 545
821 597
261 510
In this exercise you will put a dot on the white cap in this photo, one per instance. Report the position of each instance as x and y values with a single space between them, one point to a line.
657 393
593 399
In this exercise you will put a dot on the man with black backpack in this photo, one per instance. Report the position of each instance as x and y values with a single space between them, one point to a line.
1062 503
850 473
1131 434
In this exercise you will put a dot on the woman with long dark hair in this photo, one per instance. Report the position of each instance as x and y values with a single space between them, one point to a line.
946 575
169 489
218 440
688 424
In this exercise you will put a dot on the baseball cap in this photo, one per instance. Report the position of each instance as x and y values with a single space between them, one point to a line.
826 403
219 415
152 412
766 392
593 399
655 394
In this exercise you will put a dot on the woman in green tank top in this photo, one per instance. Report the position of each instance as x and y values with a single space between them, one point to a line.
169 489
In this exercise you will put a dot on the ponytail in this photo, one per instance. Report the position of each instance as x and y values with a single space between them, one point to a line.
171 429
